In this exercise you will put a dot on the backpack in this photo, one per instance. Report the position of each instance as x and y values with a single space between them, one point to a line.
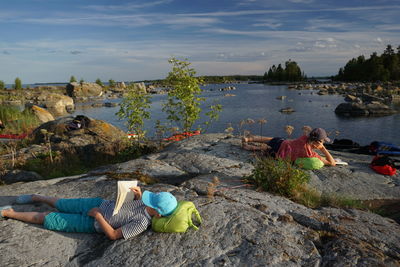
384 148
309 163
179 221
384 165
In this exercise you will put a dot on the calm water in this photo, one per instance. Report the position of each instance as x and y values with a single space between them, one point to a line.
258 101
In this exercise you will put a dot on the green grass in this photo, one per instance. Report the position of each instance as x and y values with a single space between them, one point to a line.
16 121
280 177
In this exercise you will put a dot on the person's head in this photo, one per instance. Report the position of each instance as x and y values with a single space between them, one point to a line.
317 136
161 204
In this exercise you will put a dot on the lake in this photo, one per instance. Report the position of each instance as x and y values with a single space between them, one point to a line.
258 101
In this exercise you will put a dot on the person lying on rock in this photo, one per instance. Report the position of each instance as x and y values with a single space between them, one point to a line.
302 147
91 215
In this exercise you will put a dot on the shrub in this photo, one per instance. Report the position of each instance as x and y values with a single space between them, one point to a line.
72 79
18 83
99 82
278 176
111 83
183 103
281 177
135 109
2 85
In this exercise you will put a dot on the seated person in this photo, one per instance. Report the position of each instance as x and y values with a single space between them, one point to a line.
91 215
302 147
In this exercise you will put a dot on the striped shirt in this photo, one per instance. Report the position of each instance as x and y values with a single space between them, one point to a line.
132 218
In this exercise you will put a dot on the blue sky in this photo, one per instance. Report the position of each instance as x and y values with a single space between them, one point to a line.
50 40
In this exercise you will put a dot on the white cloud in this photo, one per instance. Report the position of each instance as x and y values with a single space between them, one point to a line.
301 1
128 6
269 23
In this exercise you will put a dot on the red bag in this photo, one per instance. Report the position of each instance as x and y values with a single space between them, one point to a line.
383 165
385 170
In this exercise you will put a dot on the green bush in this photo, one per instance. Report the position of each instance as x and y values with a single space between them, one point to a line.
281 177
278 176
183 102
2 85
72 79
99 82
18 84
111 83
135 109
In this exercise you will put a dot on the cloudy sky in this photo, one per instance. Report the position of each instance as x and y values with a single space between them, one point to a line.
50 40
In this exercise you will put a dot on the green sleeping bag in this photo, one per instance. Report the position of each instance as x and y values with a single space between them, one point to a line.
309 163
179 221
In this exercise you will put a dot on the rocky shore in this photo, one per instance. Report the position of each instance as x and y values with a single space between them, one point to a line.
362 99
241 226
61 100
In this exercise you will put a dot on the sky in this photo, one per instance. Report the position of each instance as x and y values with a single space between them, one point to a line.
50 40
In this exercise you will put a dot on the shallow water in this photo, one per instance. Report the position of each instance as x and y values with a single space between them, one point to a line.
258 101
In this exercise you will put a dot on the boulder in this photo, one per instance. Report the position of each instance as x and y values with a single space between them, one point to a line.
352 98
121 85
95 141
356 109
84 89
42 114
379 109
241 226
16 176
141 87
57 104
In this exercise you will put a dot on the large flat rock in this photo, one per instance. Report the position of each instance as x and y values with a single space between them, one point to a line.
218 155
241 227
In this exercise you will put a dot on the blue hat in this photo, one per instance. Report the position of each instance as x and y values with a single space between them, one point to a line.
163 202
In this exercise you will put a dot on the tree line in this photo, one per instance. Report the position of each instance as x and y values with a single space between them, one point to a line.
384 67
291 73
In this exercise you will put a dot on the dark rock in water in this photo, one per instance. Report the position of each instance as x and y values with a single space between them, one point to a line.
287 110
229 88
379 109
356 109
110 104
97 105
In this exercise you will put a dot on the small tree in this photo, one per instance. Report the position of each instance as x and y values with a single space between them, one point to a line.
99 82
18 83
2 85
81 80
134 107
72 79
111 83
183 103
